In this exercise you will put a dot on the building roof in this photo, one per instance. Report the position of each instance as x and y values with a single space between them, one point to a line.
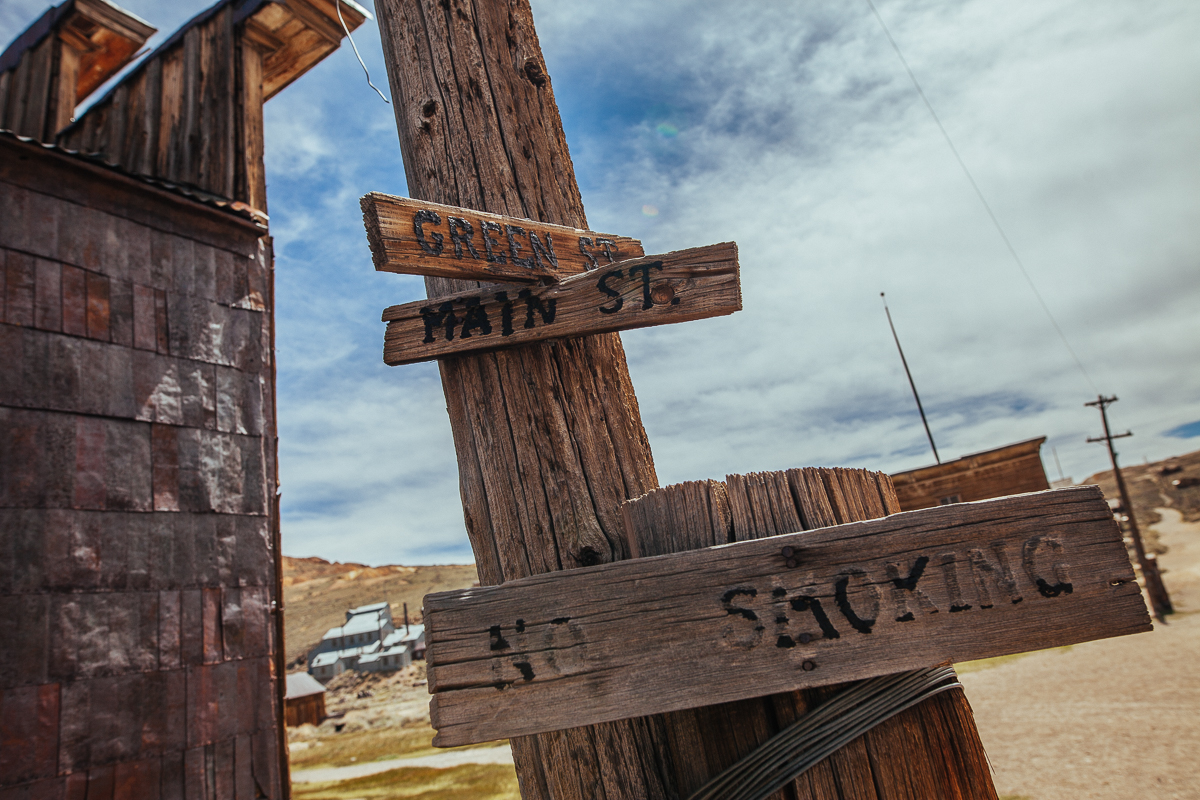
331 656
367 609
399 635
107 35
398 650
232 207
301 684
277 26
325 659
970 461
361 623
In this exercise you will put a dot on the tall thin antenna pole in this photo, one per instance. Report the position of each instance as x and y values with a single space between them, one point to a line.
1159 599
1057 463
916 396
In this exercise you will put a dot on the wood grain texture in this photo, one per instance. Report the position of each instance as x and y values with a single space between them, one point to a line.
86 46
191 113
548 436
656 290
421 238
867 598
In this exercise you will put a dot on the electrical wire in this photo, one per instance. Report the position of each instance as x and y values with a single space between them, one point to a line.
829 727
979 193
338 5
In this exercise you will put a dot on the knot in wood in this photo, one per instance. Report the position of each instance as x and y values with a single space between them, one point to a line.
662 294
590 557
533 70
429 108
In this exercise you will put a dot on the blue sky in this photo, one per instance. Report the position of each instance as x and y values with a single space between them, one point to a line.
793 130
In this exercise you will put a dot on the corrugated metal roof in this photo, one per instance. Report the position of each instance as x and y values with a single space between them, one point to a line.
234 207
399 635
301 684
380 606
331 656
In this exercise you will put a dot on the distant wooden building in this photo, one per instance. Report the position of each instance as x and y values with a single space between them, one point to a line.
305 701
1012 469
140 651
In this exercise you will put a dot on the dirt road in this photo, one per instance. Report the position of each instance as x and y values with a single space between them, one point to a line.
453 758
1108 720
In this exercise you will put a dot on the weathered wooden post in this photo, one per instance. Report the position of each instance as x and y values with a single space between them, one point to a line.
550 442
549 437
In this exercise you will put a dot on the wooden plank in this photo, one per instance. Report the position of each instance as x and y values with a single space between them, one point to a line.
656 290
66 84
252 179
422 238
41 63
18 90
914 589
170 110
5 83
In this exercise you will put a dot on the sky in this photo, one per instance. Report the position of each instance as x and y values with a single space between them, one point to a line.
794 130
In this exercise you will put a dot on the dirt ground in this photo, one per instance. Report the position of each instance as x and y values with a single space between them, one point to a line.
1109 720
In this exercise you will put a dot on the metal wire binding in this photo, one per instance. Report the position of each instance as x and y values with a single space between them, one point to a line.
338 5
817 735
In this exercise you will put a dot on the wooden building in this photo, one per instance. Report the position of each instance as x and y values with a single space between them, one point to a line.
139 536
305 701
1012 469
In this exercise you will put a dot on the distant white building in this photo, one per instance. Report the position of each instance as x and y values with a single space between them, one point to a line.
367 642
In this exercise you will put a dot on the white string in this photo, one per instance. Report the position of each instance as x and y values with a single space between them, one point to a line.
338 4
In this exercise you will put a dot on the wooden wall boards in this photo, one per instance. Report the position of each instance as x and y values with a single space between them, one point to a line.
140 609
137 488
191 112
1012 469
62 58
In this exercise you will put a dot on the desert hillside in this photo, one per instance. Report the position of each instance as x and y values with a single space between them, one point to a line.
1171 483
316 594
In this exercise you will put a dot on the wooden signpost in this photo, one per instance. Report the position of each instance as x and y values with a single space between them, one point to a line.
550 444
915 589
655 290
422 238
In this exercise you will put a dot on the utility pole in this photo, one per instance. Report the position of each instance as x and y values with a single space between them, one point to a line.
1159 598
911 383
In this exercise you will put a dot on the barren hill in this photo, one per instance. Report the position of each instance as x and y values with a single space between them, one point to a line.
316 594
1171 483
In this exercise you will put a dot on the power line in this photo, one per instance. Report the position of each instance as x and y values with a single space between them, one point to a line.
979 193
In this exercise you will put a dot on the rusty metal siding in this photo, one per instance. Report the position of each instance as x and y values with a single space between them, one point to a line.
136 470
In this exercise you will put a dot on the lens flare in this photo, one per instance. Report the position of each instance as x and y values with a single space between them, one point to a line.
667 130
650 211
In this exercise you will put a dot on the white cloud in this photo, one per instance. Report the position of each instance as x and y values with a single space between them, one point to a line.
793 130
